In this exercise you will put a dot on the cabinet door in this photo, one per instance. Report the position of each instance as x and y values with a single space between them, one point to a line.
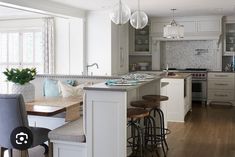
221 95
120 48
209 26
221 75
123 49
229 38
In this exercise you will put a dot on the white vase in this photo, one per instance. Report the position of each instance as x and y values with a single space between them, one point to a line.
27 90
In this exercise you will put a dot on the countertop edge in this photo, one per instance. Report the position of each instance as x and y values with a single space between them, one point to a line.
103 87
181 76
66 132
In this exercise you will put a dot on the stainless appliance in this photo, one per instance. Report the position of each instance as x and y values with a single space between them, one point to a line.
199 84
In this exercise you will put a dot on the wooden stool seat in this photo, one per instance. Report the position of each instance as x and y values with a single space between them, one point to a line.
156 98
137 113
145 104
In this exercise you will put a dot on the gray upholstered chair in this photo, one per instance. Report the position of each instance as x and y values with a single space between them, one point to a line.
13 115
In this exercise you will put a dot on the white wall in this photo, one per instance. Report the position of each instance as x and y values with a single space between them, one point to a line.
21 23
98 42
61 46
76 46
45 6
69 46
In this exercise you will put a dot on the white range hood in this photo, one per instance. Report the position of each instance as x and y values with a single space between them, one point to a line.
195 28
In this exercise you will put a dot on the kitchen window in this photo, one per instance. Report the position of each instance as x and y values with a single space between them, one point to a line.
20 49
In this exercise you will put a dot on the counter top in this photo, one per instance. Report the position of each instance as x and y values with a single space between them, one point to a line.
71 132
103 87
178 75
221 71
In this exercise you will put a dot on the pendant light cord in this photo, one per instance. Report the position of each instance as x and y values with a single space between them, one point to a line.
138 5
120 10
173 13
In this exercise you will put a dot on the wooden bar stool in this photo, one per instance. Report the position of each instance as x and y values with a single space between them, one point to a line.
154 106
134 116
156 98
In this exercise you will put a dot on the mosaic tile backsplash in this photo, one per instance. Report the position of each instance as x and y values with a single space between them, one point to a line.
191 54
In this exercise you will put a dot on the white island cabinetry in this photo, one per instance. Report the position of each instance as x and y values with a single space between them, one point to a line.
106 118
179 91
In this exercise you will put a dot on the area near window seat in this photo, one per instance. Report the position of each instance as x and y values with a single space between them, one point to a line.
69 139
71 105
70 132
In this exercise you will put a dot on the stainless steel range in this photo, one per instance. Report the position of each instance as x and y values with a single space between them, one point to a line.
199 84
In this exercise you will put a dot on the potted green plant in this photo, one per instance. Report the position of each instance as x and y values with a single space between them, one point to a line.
21 79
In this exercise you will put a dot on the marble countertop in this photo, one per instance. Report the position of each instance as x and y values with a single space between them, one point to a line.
103 87
171 74
177 75
221 71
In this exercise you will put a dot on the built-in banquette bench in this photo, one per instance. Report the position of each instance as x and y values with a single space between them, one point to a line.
39 80
69 138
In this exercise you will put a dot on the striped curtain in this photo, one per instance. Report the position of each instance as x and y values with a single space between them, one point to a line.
49 45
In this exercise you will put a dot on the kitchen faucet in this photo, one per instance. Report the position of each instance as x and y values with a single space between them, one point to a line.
91 65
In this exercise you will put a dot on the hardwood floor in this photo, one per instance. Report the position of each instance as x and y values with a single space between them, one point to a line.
33 152
207 132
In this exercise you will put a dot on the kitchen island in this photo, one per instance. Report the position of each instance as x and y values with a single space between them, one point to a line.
179 92
106 107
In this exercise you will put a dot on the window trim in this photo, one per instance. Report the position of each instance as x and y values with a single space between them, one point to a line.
21 63
21 31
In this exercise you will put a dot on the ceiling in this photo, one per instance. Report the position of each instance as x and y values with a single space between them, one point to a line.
160 8
10 13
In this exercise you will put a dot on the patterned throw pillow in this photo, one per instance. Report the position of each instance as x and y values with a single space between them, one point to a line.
68 90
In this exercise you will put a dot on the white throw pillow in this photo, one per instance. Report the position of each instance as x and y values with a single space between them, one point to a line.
68 90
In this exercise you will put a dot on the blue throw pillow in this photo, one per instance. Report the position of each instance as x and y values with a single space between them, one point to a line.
50 88
71 82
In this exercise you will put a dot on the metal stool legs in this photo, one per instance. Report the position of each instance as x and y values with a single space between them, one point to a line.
161 138
137 136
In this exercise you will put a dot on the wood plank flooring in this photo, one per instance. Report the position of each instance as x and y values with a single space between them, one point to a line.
207 132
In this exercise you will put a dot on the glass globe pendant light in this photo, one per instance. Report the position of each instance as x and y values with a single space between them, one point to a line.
120 13
139 19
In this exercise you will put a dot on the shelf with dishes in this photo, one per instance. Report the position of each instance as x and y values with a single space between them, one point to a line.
140 49
141 40
229 38
140 66
140 53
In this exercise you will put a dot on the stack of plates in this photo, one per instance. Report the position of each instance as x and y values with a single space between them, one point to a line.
143 65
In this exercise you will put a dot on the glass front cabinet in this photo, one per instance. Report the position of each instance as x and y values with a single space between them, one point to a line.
229 38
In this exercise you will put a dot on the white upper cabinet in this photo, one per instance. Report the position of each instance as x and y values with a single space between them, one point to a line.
120 48
195 28
106 44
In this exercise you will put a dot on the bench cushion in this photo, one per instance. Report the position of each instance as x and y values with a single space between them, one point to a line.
70 132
